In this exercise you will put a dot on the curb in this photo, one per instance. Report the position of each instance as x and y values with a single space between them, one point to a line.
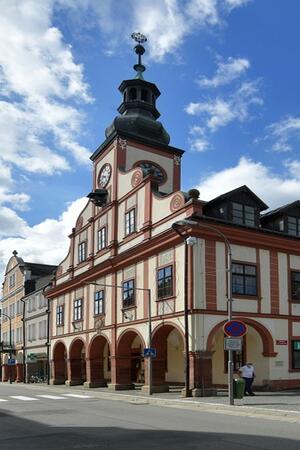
192 405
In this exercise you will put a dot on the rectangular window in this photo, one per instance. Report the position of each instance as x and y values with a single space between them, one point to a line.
78 309
60 315
82 252
128 293
165 282
243 214
99 303
296 354
244 279
102 241
295 285
12 280
130 222
293 226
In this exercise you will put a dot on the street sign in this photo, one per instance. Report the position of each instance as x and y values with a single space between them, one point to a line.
31 358
11 362
149 352
235 328
234 344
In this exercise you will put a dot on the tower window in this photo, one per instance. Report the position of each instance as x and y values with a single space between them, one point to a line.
132 94
144 95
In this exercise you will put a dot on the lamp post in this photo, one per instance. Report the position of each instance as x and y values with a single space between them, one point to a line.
149 323
188 222
10 343
187 242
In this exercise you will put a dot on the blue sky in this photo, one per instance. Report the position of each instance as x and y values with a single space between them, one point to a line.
228 71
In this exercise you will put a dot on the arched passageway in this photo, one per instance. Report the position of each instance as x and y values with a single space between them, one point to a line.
59 364
76 363
257 347
168 366
98 369
129 363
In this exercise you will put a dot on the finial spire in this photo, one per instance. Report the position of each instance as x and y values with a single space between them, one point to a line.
139 50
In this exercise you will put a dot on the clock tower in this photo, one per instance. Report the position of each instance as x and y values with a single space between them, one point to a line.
136 139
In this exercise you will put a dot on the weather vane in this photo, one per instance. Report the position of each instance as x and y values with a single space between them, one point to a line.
139 50
139 37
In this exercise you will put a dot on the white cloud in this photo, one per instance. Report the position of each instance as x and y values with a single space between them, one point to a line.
39 84
167 23
226 72
220 112
198 140
275 190
236 3
284 133
46 242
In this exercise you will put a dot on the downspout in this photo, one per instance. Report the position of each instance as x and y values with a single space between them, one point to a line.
24 342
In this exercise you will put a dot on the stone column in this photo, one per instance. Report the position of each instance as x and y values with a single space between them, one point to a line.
120 373
5 372
58 371
201 373
74 372
94 373
20 373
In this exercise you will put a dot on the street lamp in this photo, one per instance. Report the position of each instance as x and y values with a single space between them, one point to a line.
188 241
149 323
10 343
188 222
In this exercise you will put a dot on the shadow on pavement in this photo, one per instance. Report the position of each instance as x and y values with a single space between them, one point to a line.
21 433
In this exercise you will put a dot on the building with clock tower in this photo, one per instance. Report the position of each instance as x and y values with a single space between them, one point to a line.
132 281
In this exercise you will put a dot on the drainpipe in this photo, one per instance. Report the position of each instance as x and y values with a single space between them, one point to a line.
24 342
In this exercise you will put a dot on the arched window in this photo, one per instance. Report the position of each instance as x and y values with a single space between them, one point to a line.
132 94
144 95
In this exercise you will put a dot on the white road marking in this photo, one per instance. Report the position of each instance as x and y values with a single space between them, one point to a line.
78 396
52 397
23 397
3 400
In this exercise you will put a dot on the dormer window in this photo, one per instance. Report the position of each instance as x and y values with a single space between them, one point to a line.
243 214
293 226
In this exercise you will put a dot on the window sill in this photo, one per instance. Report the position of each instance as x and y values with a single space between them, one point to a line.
163 299
126 308
96 316
245 297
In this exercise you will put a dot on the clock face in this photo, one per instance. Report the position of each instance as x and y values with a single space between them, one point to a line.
104 175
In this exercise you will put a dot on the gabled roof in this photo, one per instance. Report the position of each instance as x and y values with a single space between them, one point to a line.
262 205
281 210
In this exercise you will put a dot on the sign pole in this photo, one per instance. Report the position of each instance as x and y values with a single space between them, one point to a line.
229 303
149 343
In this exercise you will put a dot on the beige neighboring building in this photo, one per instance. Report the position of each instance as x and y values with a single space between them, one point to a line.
36 335
20 279
124 246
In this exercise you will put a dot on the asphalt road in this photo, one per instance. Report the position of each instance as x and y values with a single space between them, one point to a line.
54 419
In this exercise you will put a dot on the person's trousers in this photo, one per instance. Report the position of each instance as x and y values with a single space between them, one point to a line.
248 385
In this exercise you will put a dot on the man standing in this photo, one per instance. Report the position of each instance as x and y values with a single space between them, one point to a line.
247 372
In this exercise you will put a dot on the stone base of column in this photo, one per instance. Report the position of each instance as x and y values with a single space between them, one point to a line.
120 387
54 381
155 389
206 392
73 382
94 384
186 393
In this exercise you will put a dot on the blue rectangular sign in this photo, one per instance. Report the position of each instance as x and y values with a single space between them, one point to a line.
11 362
149 352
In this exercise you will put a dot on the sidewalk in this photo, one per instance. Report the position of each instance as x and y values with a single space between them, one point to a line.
284 405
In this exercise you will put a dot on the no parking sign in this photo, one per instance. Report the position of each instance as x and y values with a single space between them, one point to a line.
235 328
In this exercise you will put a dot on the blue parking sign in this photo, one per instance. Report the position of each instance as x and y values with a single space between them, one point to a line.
149 352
